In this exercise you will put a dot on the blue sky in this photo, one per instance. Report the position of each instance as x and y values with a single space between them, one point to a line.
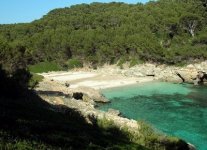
16 11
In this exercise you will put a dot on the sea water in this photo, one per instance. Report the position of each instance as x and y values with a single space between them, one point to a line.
175 109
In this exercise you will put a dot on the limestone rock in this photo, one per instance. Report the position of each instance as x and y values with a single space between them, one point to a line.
88 99
94 94
190 66
114 112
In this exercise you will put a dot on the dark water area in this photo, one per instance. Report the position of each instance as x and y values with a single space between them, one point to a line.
174 109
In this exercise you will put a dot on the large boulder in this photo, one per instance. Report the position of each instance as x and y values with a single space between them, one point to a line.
95 95
84 97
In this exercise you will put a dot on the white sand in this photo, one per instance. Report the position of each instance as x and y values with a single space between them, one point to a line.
68 76
94 80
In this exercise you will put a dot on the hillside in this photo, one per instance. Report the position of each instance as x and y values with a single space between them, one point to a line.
171 32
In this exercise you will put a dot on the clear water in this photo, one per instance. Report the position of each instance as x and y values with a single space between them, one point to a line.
175 109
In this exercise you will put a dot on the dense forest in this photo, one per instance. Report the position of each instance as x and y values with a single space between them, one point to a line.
164 31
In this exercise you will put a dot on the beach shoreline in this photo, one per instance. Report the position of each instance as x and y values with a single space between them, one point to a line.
95 80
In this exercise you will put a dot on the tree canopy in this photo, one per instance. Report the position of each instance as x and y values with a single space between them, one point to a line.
163 31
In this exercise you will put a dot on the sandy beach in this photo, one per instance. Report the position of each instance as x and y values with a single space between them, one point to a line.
95 80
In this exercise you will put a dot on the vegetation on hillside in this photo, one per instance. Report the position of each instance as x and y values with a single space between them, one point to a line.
171 32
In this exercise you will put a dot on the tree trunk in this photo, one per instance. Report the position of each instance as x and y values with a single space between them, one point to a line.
192 32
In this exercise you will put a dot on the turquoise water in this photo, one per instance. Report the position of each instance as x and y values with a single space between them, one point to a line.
175 109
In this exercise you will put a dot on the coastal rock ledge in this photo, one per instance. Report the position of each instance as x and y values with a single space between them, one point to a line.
192 73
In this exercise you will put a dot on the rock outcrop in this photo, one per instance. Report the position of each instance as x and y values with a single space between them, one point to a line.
95 95
114 112
193 73
200 78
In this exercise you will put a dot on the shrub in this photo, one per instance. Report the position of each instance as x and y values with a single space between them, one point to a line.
105 123
158 141
74 63
135 61
35 80
121 61
200 40
44 67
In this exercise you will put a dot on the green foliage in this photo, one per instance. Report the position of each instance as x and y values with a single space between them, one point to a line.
154 140
147 136
190 22
106 32
135 61
14 84
200 40
106 123
74 63
122 61
44 67
19 144
33 82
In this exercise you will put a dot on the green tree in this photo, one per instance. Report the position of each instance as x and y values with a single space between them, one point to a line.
190 22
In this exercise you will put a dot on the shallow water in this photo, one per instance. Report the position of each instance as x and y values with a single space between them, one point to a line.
175 109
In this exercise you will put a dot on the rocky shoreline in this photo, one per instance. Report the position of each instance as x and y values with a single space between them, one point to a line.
84 99
189 73
86 107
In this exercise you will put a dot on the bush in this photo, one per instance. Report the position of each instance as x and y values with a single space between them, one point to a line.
202 39
135 61
74 63
7 142
121 61
158 141
44 67
35 80
105 123
15 84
